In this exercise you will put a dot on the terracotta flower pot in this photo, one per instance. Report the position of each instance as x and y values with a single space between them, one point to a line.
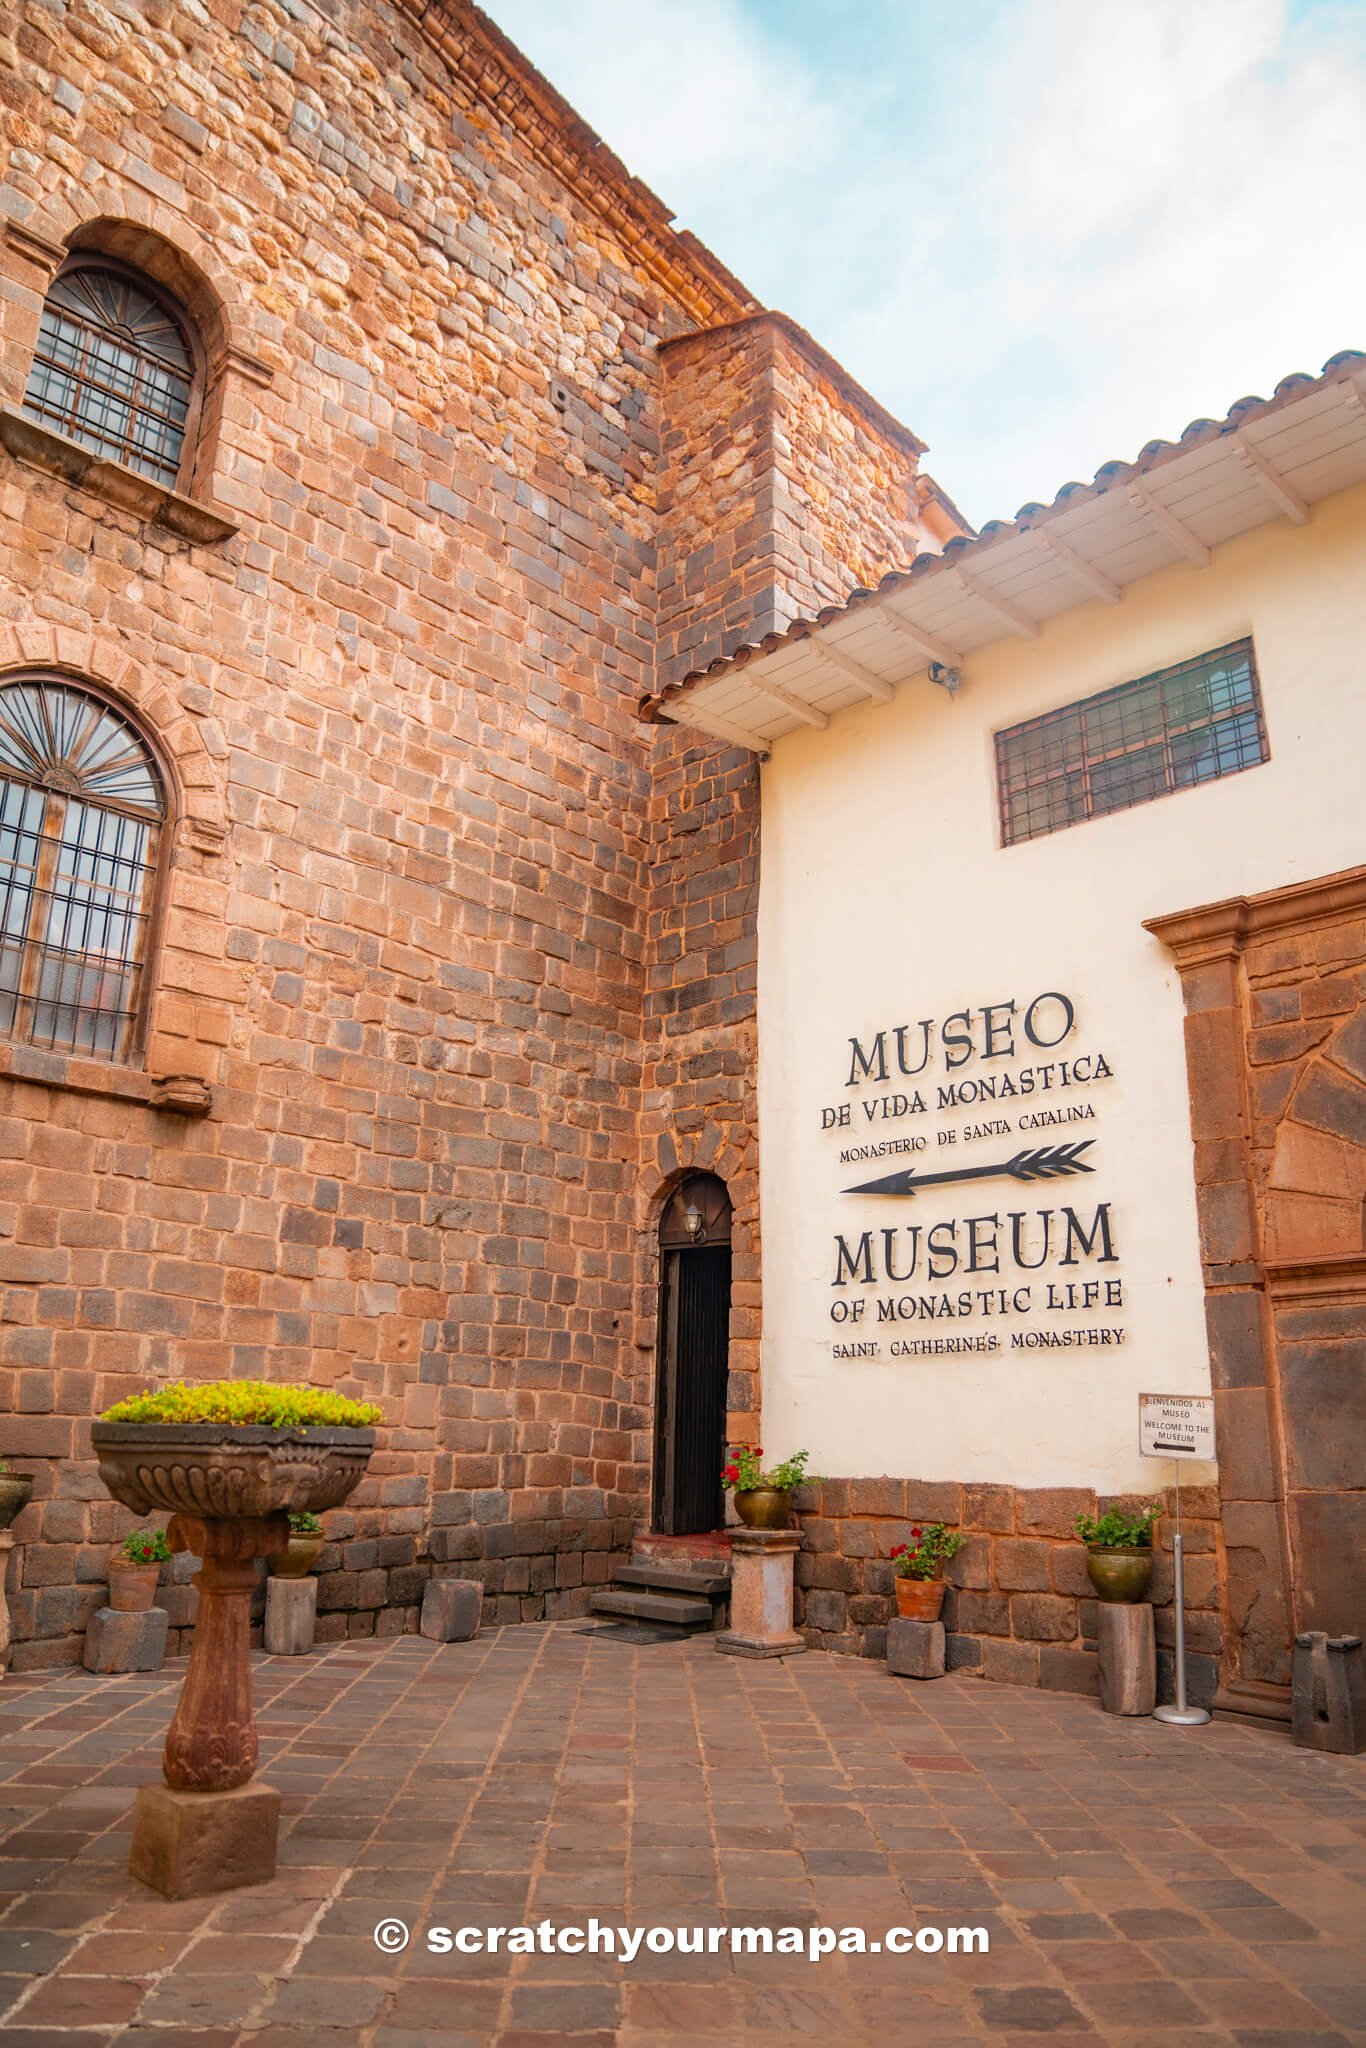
299 1559
920 1599
15 1488
763 1507
131 1586
1119 1576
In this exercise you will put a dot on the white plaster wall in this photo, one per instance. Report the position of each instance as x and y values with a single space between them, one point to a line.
886 898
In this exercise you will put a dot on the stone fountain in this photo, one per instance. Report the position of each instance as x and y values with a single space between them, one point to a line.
230 1490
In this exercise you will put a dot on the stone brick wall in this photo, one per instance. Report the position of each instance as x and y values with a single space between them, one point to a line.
406 930
698 1109
1019 1607
782 487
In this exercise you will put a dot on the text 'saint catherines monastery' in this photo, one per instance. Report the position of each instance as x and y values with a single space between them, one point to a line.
424 570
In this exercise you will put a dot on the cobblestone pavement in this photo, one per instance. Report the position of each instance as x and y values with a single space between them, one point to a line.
1144 1887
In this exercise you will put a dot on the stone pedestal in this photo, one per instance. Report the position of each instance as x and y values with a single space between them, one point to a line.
450 1610
761 1563
291 1616
915 1649
188 1843
125 1642
1128 1657
1328 1693
6 1545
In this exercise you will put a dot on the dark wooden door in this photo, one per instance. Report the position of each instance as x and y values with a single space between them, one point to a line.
691 1419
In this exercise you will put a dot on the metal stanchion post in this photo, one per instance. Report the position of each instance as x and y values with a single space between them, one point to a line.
1182 1715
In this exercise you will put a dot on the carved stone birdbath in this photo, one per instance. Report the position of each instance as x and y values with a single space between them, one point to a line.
230 1489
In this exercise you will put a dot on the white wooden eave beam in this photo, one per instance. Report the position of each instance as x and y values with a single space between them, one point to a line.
1086 573
1178 533
1009 614
863 678
924 642
684 712
1274 486
790 701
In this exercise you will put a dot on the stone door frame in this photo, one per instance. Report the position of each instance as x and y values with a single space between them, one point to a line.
1277 1079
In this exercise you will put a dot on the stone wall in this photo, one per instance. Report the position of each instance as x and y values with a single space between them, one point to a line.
1019 1607
405 933
456 970
782 487
697 1102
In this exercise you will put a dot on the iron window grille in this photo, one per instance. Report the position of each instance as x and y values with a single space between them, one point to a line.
1145 739
114 369
82 824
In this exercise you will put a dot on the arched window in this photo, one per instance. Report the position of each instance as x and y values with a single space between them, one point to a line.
82 816
115 367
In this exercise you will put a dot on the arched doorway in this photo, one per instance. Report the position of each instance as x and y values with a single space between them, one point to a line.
694 1342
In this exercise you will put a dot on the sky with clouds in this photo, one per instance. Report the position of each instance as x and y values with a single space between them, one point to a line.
1042 232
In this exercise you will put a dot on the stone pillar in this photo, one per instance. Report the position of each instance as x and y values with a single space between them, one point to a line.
6 1545
761 1562
1127 1649
208 1828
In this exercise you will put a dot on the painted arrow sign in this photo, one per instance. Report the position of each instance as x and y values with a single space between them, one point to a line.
1044 1162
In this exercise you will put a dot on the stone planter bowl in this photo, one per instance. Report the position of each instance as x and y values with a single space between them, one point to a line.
15 1488
217 1472
1120 1577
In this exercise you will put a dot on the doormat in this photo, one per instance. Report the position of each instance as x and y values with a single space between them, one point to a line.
632 1632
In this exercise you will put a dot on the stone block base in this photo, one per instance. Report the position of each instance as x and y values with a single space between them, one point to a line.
1127 1651
125 1642
1328 1697
731 1644
186 1844
915 1649
451 1609
291 1616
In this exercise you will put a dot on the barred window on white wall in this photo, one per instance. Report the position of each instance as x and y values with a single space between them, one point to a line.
82 816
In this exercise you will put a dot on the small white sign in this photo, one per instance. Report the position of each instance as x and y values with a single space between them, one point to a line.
1176 1426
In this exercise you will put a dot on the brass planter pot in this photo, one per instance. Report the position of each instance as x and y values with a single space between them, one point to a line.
15 1488
298 1560
763 1507
1119 1576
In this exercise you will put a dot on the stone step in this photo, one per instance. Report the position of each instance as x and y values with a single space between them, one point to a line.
672 1609
662 1578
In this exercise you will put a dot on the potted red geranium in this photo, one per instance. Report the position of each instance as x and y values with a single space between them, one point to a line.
134 1570
919 1567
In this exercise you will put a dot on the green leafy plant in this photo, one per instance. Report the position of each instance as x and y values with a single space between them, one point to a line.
744 1471
243 1402
1116 1530
145 1546
304 1524
927 1552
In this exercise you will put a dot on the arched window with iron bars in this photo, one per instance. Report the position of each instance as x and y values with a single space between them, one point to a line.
117 368
83 826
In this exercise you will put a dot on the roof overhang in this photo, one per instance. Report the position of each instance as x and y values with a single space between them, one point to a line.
1268 459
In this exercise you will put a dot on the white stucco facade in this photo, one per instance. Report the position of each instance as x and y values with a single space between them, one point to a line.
887 899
